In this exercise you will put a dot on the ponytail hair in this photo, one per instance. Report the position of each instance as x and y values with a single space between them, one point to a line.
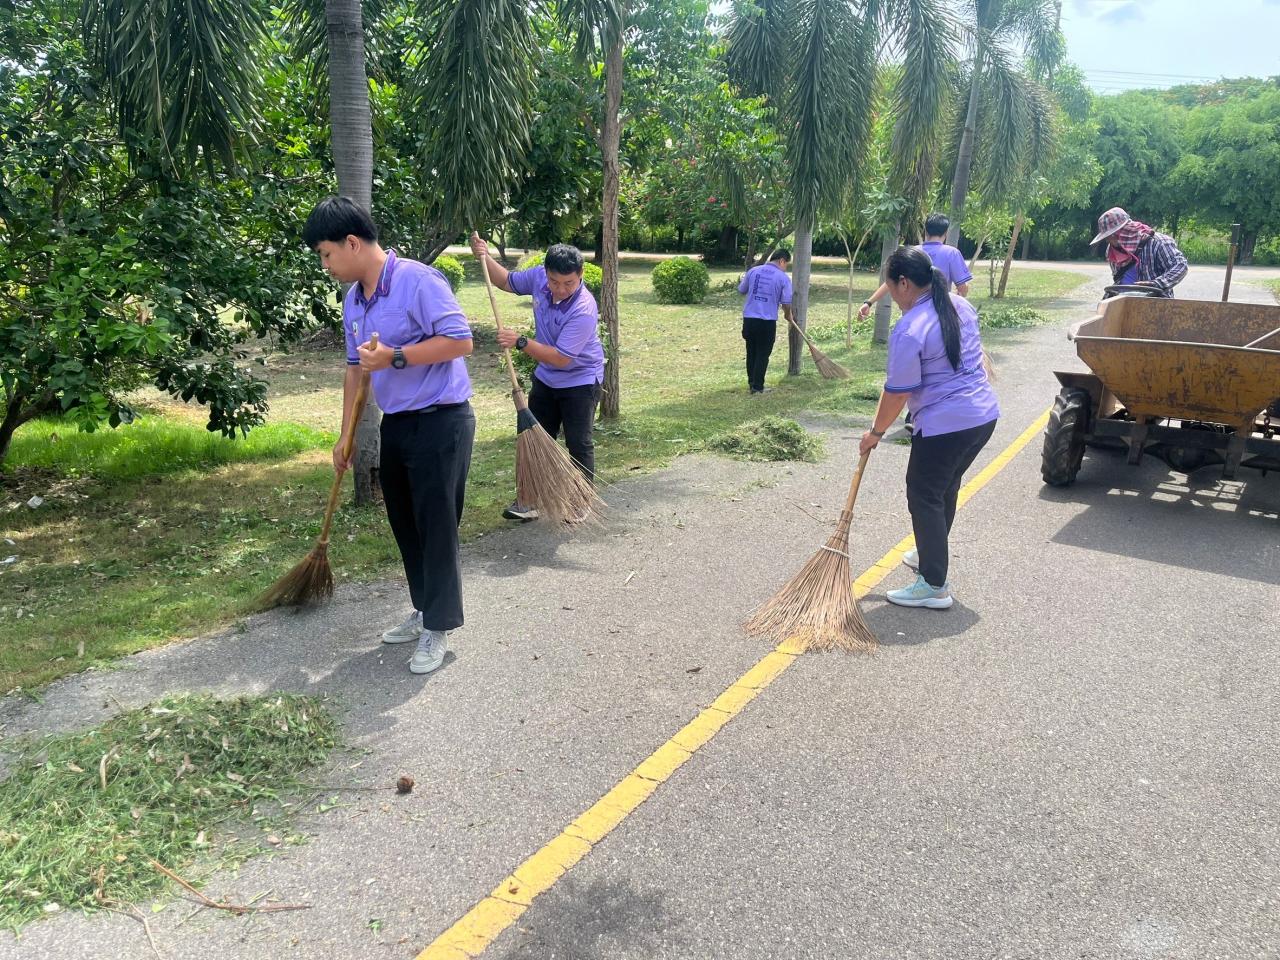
915 265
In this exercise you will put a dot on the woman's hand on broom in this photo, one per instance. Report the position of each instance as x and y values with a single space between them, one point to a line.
341 465
479 249
869 442
507 338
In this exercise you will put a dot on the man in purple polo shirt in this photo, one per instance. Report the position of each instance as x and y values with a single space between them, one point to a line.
944 256
420 380
566 344
767 288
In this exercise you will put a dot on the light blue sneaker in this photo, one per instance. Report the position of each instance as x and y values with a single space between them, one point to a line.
920 594
912 559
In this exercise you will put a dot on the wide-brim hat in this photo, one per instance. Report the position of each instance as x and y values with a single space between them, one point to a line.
1109 223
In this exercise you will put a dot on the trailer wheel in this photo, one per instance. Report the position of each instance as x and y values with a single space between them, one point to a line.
1063 448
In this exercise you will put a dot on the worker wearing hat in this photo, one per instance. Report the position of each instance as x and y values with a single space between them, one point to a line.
1138 254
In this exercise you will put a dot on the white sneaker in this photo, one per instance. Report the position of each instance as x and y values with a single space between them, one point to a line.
411 629
920 594
912 559
430 653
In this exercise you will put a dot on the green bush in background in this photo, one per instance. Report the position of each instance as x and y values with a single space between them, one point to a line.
451 267
680 280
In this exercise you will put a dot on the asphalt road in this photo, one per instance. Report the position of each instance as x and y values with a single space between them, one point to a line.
1077 760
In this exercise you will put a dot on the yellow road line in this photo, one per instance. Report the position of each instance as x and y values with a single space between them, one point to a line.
484 922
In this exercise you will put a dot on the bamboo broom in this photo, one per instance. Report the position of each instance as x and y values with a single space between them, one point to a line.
816 609
546 476
312 579
829 369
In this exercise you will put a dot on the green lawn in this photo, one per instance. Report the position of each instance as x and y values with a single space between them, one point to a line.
158 530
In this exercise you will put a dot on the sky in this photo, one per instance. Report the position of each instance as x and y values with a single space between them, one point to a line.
1126 44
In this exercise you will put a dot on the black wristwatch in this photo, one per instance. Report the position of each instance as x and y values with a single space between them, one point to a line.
397 359
877 433
521 342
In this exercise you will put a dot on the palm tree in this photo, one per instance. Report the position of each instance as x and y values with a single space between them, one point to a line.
1007 119
816 60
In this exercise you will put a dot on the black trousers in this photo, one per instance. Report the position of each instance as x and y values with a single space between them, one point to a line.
425 460
760 336
574 410
934 475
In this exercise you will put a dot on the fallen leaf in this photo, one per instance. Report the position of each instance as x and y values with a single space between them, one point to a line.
73 768
235 778
693 670
273 840
404 784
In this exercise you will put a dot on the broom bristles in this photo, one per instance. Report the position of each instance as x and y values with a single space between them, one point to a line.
547 478
829 369
816 609
310 581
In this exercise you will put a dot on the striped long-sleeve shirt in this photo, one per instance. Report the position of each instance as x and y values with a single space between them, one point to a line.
1161 263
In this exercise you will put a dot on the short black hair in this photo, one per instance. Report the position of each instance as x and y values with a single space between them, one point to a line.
782 253
562 258
336 218
937 225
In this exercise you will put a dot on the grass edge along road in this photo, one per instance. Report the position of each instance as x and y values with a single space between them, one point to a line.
473 933
174 536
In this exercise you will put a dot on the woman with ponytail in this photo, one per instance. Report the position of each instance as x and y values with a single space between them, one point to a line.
935 367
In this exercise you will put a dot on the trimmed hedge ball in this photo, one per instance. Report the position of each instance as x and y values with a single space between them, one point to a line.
451 269
680 280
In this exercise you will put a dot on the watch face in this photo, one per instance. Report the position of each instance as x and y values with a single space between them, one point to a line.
397 360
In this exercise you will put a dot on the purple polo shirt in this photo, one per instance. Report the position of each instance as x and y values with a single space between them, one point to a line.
412 303
766 286
571 326
942 400
949 260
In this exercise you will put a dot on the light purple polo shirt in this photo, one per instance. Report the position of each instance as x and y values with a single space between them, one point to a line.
949 260
412 303
571 326
766 286
942 400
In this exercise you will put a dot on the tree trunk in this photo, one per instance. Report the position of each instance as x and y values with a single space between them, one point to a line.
977 251
610 403
853 258
964 158
1248 240
1008 260
1026 245
888 244
351 134
800 295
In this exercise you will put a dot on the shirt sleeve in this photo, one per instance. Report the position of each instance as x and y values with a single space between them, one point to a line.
959 268
524 282
348 315
435 309
785 296
904 370
1170 263
743 283
578 332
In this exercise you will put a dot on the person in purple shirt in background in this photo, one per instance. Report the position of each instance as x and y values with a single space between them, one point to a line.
566 343
935 365
945 257
420 380
767 287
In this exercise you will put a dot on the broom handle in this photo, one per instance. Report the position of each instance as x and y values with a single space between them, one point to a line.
856 482
493 305
800 331
357 407
1265 336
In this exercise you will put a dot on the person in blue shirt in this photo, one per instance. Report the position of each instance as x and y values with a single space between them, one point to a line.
767 287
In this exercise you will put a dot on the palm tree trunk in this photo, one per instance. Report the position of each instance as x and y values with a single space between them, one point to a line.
800 294
1008 259
351 134
888 244
610 403
964 159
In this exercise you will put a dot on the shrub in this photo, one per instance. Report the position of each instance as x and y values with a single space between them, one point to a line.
680 280
997 316
451 269
592 276
773 438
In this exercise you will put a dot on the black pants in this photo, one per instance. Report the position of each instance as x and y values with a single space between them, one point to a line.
760 336
574 409
934 474
425 459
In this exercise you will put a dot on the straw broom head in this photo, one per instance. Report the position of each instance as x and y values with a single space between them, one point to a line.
829 369
547 477
816 609
309 582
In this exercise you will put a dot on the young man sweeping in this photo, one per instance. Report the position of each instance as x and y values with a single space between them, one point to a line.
943 256
565 343
421 383
767 288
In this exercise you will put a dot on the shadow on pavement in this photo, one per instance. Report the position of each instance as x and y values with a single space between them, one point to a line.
592 921
907 627
1149 512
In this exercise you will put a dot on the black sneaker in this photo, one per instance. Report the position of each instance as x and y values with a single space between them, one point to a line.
517 512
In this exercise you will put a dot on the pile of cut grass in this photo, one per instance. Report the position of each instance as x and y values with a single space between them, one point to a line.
172 771
769 439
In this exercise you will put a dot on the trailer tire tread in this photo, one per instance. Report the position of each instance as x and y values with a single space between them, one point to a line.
1064 437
